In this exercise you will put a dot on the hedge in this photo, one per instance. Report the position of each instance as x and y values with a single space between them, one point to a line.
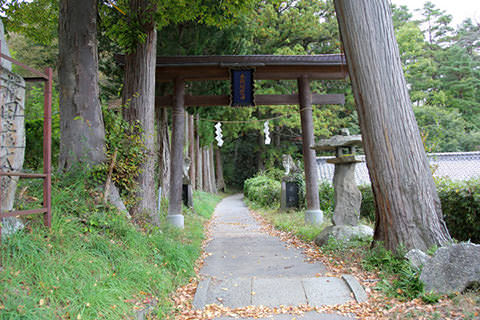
461 208
460 205
263 190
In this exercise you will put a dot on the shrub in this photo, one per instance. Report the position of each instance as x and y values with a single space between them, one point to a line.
461 208
399 278
263 190
460 205
367 209
128 140
326 195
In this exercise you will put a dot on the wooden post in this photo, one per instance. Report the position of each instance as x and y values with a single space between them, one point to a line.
175 216
313 214
191 150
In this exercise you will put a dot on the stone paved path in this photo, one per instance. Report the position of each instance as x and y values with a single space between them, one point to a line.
246 266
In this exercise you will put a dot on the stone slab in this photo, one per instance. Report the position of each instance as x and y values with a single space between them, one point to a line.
278 292
232 293
357 289
200 298
326 291
306 316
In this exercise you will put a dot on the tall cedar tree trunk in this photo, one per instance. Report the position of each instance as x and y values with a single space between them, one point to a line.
191 150
408 209
198 157
163 151
211 166
176 159
219 170
205 171
82 133
139 97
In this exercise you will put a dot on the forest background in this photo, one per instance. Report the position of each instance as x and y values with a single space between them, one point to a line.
441 64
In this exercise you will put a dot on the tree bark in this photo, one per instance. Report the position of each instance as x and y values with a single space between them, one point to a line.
176 160
408 209
139 99
309 157
164 151
191 150
219 170
82 133
205 172
213 184
198 152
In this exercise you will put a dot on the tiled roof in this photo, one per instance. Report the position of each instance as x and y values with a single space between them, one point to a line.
454 165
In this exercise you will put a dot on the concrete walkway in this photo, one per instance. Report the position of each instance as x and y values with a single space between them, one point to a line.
246 266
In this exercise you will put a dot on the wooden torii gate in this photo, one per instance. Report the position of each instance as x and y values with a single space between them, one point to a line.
267 67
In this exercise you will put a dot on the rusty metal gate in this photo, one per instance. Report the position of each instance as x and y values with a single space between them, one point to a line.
46 209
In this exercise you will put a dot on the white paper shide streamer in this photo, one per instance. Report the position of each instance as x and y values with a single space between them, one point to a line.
218 132
266 130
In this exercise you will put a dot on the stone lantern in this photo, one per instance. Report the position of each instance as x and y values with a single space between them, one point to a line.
348 197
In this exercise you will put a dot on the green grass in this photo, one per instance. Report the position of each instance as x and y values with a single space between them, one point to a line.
94 263
291 221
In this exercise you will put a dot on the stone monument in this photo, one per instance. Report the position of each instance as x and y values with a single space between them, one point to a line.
187 193
289 190
12 135
348 197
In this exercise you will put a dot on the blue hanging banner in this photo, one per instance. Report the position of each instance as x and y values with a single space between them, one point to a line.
242 87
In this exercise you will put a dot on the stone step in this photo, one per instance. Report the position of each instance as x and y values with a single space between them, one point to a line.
275 292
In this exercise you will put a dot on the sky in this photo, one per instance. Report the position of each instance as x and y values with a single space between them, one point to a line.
459 9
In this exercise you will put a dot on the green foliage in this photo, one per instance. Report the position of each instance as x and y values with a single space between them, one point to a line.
327 198
337 246
37 20
94 261
274 173
399 278
127 25
34 109
441 65
204 203
367 208
263 190
131 153
445 130
34 142
294 222
461 208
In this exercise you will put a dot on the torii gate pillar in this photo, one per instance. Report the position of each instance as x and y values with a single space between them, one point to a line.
175 216
313 214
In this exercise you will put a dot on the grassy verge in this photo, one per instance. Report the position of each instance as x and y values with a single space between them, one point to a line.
94 263
292 221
